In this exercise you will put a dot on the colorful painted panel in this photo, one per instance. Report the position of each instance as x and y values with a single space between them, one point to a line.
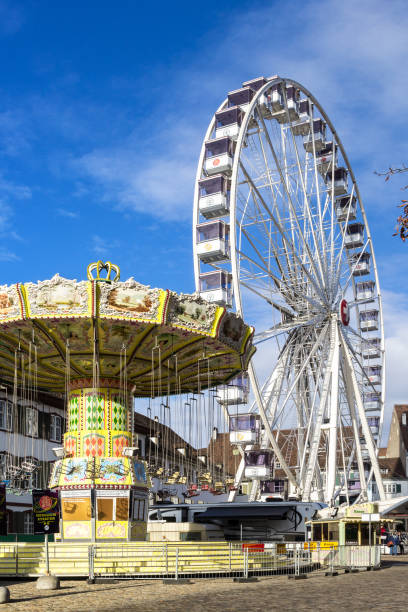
70 445
104 471
93 445
113 471
138 530
139 468
190 313
73 411
95 411
57 296
119 442
118 414
131 300
11 303
55 474
76 530
111 529
74 471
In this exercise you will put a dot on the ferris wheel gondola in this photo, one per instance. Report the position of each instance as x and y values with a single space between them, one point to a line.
280 234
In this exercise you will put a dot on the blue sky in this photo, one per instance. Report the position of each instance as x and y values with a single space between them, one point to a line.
103 107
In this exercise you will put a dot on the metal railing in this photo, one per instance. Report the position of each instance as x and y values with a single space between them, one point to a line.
240 560
176 560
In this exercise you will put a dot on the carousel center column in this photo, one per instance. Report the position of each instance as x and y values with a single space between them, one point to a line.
103 486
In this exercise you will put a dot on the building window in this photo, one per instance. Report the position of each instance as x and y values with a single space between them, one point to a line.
55 428
404 418
279 486
392 488
6 415
28 522
33 479
31 422
3 465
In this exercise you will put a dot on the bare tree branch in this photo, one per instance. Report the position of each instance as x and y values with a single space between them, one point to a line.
388 173
402 220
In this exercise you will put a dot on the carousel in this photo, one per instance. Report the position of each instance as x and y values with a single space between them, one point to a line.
100 343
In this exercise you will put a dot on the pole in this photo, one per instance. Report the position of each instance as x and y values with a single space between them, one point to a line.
369 540
47 558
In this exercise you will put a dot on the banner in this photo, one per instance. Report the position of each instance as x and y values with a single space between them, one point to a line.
46 511
3 511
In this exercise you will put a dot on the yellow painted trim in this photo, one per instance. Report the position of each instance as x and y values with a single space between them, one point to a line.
162 302
218 314
24 295
248 333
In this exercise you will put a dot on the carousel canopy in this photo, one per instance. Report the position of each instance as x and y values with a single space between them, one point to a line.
164 342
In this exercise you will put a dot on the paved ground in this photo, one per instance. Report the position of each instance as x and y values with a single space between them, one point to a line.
366 591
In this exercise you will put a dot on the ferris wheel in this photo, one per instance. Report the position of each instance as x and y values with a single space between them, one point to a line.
280 235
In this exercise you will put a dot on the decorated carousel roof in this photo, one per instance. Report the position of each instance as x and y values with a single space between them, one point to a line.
169 342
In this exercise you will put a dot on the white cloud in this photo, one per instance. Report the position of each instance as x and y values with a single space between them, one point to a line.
70 214
102 246
139 177
7 256
9 192
19 192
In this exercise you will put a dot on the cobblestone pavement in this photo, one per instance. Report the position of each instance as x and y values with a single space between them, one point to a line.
365 591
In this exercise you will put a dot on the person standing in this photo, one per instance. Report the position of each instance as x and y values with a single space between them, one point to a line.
396 542
400 544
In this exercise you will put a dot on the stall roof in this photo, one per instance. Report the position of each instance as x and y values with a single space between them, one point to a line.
393 508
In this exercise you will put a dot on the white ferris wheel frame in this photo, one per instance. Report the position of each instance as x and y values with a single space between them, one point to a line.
341 344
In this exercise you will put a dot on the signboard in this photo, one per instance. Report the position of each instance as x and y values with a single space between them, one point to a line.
46 511
344 312
374 518
328 545
356 510
3 511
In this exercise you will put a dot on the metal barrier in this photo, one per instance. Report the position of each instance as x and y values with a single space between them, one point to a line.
176 560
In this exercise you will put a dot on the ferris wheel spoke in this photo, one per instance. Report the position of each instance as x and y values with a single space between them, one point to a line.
306 204
280 328
278 281
273 248
284 237
281 309
268 430
341 250
305 363
366 380
313 454
353 269
362 417
316 375
290 264
272 388
291 206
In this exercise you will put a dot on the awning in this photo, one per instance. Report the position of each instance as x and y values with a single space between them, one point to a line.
394 507
21 508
